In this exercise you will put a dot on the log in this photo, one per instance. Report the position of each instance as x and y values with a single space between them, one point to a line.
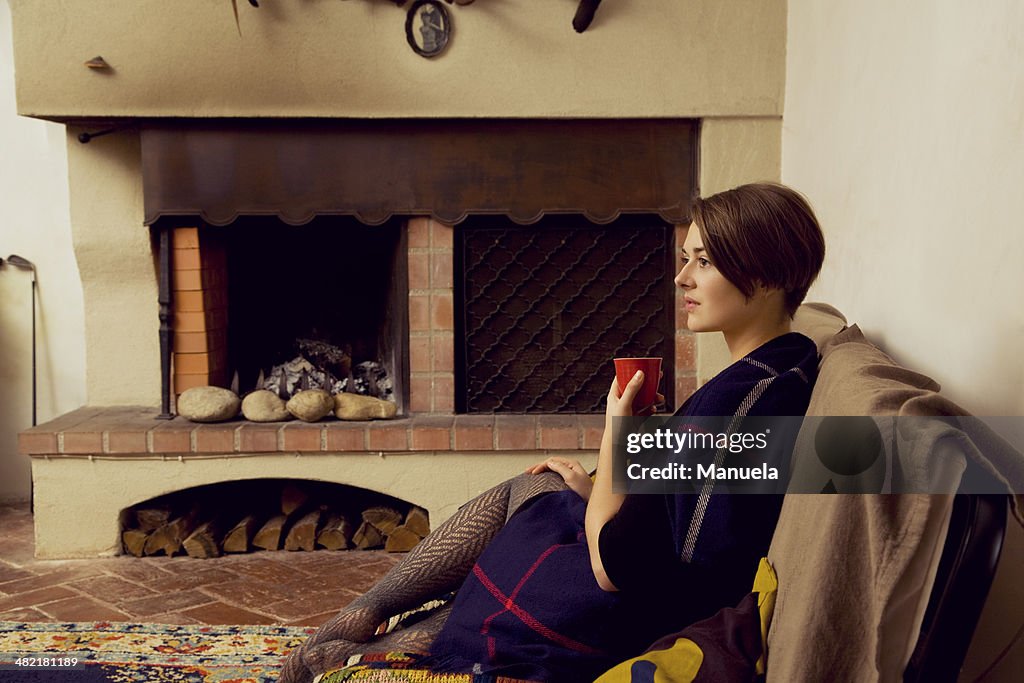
418 522
239 539
302 535
151 519
401 540
328 358
367 536
293 497
384 518
134 541
205 541
169 537
269 535
274 533
305 522
336 533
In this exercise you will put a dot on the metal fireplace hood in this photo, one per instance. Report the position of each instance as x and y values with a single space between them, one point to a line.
296 169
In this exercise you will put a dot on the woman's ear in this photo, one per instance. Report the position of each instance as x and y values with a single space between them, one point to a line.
762 291
771 296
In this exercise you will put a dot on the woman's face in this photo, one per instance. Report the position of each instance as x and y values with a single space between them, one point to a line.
712 303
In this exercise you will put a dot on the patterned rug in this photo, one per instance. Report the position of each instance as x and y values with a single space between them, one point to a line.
111 652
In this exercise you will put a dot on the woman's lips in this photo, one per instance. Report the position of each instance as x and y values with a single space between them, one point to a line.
691 304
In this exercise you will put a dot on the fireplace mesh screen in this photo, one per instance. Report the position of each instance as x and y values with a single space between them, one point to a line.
544 308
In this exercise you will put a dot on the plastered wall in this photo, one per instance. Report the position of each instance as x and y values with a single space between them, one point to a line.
34 224
903 126
116 259
351 59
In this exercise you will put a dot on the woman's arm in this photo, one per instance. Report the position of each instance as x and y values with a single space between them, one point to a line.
604 504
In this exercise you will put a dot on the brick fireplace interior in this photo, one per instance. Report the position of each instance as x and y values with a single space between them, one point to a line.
254 295
469 252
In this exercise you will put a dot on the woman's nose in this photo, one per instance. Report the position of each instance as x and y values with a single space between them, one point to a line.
683 279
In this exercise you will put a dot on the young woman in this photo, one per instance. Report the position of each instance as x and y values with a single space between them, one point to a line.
582 578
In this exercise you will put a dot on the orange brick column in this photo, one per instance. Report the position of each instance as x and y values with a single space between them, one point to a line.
431 318
199 286
686 342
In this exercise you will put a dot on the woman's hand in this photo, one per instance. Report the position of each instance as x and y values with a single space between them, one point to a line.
621 405
574 474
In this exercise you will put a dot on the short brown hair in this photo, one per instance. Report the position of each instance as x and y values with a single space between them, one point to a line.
762 234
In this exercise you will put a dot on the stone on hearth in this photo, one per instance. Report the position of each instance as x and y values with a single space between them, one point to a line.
208 404
264 406
310 406
357 407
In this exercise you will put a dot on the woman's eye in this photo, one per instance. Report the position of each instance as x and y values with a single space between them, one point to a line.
704 263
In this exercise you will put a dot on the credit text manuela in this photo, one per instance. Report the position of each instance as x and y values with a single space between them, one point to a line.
636 471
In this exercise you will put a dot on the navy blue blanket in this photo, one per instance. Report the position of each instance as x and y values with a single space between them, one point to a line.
532 608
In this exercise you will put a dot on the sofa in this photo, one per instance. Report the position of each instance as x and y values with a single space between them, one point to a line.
857 574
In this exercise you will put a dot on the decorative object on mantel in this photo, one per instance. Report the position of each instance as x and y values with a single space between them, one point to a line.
208 404
357 407
428 24
584 14
264 406
311 405
428 27
234 8
98 63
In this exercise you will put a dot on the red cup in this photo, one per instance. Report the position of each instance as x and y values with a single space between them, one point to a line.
625 368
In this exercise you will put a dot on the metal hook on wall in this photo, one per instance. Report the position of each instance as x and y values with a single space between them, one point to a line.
86 138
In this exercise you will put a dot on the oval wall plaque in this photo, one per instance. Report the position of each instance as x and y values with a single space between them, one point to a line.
428 27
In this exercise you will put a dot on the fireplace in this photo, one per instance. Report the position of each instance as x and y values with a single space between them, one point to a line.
255 198
259 304
350 184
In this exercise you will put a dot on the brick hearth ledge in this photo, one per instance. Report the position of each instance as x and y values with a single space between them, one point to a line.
90 464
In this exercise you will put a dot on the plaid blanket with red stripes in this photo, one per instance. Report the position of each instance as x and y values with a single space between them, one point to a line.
532 609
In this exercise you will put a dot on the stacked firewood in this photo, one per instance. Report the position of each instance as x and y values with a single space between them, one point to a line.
204 525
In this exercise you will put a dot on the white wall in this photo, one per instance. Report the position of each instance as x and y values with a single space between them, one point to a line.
35 224
904 125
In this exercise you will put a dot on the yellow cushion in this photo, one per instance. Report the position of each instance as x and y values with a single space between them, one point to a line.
682 660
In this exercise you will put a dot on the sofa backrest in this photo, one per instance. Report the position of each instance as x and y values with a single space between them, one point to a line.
854 571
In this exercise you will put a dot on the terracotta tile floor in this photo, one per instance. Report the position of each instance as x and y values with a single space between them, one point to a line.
292 588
